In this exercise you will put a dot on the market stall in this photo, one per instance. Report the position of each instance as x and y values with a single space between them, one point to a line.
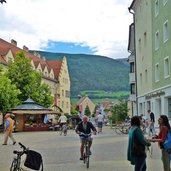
29 116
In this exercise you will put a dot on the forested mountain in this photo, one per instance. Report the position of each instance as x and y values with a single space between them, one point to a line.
93 72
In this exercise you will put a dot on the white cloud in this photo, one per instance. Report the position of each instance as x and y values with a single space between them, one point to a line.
101 24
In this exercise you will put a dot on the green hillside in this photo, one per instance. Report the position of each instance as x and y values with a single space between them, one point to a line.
92 72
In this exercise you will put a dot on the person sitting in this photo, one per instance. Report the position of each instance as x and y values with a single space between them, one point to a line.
85 127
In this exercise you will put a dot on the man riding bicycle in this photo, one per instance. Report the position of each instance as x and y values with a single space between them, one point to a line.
62 120
85 127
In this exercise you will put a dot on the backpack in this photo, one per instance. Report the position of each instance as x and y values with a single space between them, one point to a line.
167 143
33 160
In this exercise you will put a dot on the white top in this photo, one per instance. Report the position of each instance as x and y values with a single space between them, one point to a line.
100 118
62 119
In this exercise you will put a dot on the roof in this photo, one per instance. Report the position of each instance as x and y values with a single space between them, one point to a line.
29 104
56 65
82 99
6 46
30 107
131 5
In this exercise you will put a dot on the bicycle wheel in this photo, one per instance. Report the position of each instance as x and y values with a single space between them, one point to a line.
14 166
87 156
84 158
65 131
124 129
118 130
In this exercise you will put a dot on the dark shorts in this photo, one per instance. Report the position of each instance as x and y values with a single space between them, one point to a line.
82 139
100 124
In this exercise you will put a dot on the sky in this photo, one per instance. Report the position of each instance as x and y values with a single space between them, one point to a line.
99 27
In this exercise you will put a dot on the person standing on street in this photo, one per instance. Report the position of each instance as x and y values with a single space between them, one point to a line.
151 128
8 128
136 145
164 127
100 120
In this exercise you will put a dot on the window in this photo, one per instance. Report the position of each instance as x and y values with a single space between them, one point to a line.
67 93
157 40
67 105
156 11
156 72
165 31
132 88
62 92
139 45
166 67
132 67
46 74
145 39
146 76
140 78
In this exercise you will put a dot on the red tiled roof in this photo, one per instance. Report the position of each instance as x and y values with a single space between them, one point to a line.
6 46
105 104
2 60
56 65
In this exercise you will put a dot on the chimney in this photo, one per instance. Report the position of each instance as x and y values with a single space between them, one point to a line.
36 54
25 48
13 42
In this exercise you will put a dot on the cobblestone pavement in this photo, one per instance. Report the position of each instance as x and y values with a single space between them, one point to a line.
61 153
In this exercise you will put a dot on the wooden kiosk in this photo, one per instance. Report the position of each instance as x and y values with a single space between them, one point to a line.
29 116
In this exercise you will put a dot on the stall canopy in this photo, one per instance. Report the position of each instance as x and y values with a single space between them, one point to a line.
30 107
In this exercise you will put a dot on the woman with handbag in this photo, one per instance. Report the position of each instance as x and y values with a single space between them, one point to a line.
136 145
164 127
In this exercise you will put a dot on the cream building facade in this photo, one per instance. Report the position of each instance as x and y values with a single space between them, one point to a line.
54 73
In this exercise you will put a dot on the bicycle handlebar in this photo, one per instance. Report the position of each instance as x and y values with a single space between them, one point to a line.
86 135
22 146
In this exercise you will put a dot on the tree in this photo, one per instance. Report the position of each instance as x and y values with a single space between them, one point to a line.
87 111
119 111
28 81
8 93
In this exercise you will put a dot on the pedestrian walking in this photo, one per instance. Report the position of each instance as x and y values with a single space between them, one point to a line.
151 122
136 145
93 120
164 127
8 129
100 120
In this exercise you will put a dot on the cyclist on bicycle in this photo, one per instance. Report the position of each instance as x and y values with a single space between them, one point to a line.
85 127
62 120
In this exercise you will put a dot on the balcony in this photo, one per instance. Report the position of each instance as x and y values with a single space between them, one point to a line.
132 97
131 58
132 77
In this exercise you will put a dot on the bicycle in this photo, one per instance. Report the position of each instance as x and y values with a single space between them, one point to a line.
86 154
33 159
122 128
64 129
15 165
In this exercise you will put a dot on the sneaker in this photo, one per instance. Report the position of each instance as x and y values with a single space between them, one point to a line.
90 153
4 144
81 158
14 142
